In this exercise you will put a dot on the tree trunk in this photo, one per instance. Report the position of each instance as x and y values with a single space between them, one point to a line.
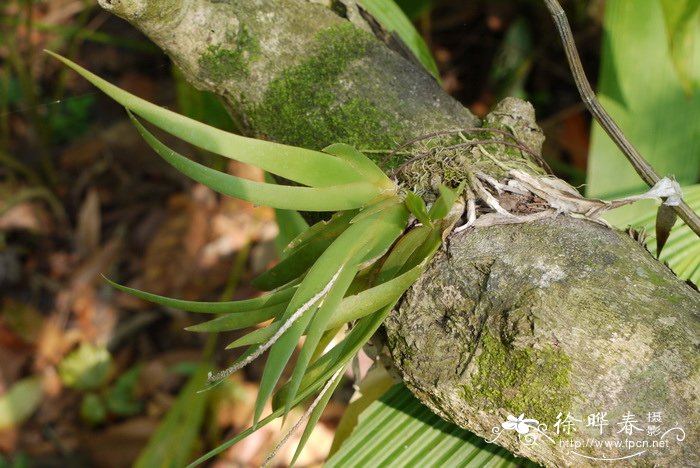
549 318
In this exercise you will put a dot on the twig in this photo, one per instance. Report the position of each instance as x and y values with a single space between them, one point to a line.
641 166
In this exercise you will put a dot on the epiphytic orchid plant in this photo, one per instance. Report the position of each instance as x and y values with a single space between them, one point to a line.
351 268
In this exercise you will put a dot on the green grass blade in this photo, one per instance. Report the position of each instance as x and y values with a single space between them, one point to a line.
239 320
275 298
391 17
335 198
295 265
304 166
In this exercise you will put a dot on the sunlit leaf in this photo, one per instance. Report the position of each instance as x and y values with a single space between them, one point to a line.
304 166
397 430
335 198
236 321
19 402
360 162
268 300
293 266
391 17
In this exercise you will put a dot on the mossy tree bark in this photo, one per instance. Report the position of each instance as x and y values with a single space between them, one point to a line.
556 316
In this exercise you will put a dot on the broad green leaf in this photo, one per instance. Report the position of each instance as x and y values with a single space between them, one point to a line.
177 435
390 16
445 201
248 305
682 18
360 162
292 267
19 402
239 320
335 198
304 166
642 91
397 430
374 209
416 205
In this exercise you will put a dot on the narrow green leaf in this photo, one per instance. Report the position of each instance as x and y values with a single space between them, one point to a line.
335 198
304 166
292 267
248 305
391 17
397 430
401 252
350 309
317 327
329 229
445 201
380 230
239 320
289 222
323 369
374 209
360 162
333 260
315 416
416 205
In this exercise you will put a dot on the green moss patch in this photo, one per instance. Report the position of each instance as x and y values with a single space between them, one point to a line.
529 381
305 105
220 63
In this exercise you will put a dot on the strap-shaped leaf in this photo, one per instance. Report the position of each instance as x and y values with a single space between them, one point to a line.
338 256
362 163
301 165
350 309
443 204
329 229
381 230
322 369
239 320
416 205
335 198
374 209
291 267
315 416
248 305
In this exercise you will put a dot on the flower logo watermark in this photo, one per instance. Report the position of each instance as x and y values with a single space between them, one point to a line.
637 438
